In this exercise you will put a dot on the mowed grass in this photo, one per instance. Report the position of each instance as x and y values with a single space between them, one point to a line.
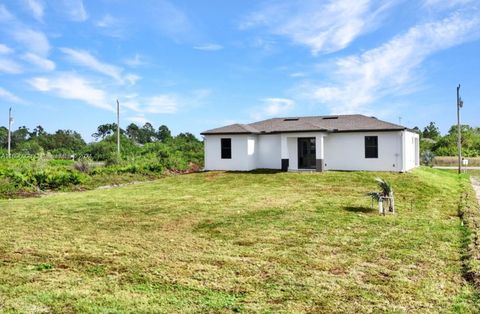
239 242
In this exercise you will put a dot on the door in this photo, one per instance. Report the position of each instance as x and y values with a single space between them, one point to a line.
306 153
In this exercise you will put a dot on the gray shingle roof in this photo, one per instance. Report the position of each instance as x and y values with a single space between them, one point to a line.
340 123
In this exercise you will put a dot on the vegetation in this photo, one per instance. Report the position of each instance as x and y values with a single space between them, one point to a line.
145 154
432 143
242 242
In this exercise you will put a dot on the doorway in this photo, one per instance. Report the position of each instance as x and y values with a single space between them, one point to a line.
306 153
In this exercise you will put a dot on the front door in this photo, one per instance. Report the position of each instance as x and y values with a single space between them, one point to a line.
306 153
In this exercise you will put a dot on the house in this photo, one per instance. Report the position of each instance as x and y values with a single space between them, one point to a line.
343 142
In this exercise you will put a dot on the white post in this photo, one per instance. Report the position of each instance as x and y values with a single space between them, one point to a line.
284 152
319 152
9 131
380 206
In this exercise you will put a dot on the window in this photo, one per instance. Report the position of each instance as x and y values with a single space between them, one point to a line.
226 144
371 146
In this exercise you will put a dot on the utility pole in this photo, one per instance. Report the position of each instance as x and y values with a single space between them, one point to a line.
118 129
10 120
400 120
459 135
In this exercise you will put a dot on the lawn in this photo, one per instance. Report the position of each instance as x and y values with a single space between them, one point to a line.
239 242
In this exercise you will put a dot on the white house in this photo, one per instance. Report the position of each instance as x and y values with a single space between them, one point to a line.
343 142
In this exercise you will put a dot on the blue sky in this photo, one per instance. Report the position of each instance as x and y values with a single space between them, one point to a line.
195 65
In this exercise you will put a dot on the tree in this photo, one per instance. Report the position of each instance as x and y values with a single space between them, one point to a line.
147 134
133 132
431 131
164 133
105 130
19 136
3 137
38 131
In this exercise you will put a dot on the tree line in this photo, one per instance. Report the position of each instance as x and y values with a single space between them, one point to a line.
69 142
431 140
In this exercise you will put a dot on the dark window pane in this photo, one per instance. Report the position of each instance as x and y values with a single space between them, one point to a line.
371 146
226 148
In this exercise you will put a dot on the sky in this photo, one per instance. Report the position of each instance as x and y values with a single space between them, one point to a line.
196 65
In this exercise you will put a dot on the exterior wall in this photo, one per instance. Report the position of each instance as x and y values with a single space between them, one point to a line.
346 151
244 153
292 146
397 151
269 152
412 149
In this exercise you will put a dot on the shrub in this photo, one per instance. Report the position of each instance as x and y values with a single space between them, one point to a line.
83 165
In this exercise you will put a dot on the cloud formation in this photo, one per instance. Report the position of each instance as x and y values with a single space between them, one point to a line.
41 63
322 26
71 86
390 69
84 58
209 47
36 8
8 96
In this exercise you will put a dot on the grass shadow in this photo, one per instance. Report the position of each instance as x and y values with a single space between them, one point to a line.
257 171
359 209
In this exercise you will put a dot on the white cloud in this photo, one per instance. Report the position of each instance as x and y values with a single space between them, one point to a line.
75 10
42 63
323 26
71 86
8 96
4 49
34 41
278 106
443 4
161 104
112 26
140 119
36 7
298 74
209 47
172 21
272 107
107 21
390 69
84 58
135 61
9 66
5 15
132 78
168 103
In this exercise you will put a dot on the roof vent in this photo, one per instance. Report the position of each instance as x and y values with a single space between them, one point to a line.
290 119
330 118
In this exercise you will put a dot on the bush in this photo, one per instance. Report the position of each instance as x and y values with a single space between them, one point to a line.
83 165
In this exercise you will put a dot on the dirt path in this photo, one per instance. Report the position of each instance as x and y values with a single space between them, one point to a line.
476 186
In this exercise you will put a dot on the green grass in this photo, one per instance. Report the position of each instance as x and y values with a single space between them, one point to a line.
239 242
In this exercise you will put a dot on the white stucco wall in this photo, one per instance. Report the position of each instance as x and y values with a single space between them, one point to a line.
346 151
244 153
397 151
411 146
269 152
